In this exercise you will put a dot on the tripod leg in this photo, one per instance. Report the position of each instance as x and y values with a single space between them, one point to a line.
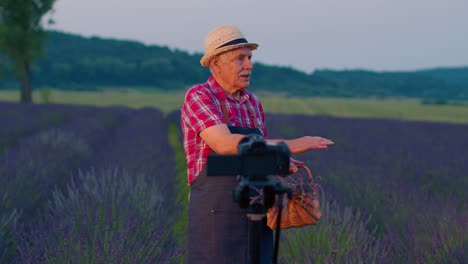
254 242
278 228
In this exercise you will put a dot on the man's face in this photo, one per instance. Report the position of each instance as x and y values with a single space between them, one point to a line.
235 69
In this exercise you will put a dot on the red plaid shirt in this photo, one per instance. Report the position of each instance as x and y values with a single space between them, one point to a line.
201 109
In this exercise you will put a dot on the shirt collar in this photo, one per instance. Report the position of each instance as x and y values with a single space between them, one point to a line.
222 95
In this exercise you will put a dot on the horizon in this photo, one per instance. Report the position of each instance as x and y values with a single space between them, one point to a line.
304 35
268 64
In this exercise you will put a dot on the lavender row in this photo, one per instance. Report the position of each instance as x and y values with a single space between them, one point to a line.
93 142
18 121
398 172
391 155
388 144
35 165
140 146
105 216
340 237
48 158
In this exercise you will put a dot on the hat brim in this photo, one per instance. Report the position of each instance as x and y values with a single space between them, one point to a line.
205 60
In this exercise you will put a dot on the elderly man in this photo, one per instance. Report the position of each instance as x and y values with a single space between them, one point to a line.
215 116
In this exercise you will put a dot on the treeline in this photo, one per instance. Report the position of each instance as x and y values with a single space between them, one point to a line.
73 62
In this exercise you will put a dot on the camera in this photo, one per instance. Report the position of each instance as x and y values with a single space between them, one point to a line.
256 159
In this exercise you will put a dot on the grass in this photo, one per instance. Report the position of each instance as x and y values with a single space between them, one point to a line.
135 99
404 109
180 227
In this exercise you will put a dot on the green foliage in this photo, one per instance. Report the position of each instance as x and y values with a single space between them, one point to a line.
7 228
181 226
46 95
454 75
417 84
22 36
21 30
78 63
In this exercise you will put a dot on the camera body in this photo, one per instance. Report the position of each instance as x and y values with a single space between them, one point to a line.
255 161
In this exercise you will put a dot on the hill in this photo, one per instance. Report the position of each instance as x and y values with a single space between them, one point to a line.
74 62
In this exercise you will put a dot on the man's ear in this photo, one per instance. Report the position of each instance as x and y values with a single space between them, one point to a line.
215 62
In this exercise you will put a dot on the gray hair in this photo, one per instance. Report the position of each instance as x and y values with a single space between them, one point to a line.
222 57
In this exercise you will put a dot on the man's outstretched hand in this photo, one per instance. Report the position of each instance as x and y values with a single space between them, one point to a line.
303 144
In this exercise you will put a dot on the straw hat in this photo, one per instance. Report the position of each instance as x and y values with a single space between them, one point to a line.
223 39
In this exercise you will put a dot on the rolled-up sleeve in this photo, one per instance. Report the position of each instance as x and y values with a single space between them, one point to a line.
201 111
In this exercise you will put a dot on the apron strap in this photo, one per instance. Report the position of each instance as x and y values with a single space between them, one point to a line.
252 114
225 112
249 107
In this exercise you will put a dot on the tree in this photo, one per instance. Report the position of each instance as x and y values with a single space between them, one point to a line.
21 38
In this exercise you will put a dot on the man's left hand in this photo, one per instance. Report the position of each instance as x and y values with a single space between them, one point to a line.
294 165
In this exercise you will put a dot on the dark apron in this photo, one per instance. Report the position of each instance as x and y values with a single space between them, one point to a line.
218 230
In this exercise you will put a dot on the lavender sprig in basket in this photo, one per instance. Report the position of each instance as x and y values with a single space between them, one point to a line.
303 208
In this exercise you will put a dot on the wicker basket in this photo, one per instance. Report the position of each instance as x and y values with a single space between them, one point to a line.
301 210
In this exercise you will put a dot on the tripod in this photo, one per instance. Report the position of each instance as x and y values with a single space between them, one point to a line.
256 212
256 160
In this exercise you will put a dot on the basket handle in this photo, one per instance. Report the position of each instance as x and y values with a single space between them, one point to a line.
308 173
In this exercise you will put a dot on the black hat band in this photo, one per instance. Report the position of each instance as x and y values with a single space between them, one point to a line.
233 42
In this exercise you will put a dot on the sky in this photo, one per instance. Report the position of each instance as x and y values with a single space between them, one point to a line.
380 35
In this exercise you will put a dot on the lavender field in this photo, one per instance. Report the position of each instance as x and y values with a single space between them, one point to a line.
406 180
83 184
86 185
